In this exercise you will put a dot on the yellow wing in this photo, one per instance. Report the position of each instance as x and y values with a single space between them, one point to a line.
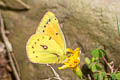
49 26
41 48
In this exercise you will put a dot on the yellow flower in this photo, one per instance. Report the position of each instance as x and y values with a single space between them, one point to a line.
73 60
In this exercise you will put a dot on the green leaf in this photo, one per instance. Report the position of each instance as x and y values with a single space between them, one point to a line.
95 53
113 76
106 78
87 60
101 75
93 59
90 66
118 25
98 67
95 76
78 72
93 68
101 53
118 76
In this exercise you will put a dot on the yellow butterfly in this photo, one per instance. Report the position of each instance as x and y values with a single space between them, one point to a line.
48 44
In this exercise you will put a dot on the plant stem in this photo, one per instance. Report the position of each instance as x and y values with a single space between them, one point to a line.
78 72
111 67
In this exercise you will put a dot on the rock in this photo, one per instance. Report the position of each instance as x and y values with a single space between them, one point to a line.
14 5
85 24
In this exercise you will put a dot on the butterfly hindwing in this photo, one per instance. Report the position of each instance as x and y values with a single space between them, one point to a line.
42 49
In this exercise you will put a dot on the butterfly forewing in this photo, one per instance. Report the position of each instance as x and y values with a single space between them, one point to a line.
49 25
48 44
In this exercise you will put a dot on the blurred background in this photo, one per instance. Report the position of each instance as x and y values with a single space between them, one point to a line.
85 24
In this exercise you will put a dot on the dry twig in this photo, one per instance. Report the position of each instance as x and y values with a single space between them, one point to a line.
22 3
9 49
55 73
110 67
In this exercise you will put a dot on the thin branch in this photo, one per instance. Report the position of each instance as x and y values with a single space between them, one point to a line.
89 77
111 67
117 69
16 64
55 73
9 48
47 79
2 4
22 3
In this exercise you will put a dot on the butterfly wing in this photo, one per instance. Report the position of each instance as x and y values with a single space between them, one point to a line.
49 25
41 48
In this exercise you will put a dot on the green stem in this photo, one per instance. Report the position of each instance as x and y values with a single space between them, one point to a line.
118 25
78 72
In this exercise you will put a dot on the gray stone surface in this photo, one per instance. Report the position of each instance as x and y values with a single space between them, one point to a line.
85 23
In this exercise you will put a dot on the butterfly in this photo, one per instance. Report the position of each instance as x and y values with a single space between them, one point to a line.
47 45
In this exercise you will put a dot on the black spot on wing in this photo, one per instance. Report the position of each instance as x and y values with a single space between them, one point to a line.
35 42
44 26
43 30
47 23
49 20
44 47
33 52
56 33
37 39
33 47
50 38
